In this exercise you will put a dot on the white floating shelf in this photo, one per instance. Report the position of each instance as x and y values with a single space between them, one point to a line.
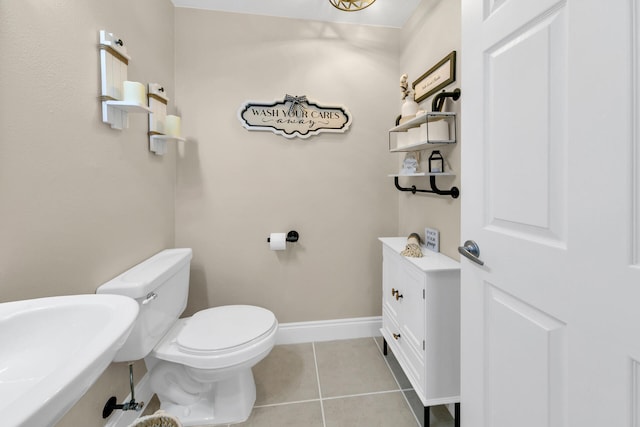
423 118
158 143
423 174
116 105
159 128
168 138
424 132
423 145
129 107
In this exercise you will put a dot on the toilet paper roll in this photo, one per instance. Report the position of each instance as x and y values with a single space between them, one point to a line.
134 92
278 241
172 125
414 136
403 139
439 130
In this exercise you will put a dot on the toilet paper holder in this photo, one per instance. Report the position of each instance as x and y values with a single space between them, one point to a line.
292 236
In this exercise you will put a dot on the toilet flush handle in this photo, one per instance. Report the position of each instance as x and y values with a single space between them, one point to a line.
150 297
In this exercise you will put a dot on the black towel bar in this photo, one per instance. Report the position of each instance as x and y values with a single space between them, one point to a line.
454 192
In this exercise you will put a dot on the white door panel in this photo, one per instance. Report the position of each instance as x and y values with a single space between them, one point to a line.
551 194
524 134
635 398
510 16
526 363
635 112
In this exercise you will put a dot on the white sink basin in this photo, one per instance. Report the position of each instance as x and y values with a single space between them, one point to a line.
53 349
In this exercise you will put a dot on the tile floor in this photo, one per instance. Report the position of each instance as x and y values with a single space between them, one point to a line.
346 383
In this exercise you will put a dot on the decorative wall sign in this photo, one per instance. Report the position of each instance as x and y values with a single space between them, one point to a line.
294 116
437 77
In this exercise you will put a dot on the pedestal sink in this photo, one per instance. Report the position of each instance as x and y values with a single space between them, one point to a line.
53 349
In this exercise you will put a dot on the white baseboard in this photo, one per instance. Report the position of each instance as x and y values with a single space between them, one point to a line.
328 330
288 333
125 418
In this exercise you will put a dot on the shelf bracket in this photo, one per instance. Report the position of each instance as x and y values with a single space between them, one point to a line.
438 100
454 192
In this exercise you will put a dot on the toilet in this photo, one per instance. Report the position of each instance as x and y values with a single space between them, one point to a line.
199 366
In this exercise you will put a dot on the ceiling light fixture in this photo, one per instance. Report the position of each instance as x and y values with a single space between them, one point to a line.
351 5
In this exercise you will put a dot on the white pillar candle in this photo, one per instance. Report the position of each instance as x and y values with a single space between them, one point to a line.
134 92
172 126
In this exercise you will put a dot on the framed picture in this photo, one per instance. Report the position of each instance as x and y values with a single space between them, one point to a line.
436 78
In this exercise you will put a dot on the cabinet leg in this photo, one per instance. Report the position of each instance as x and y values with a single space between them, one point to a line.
457 414
427 417
384 346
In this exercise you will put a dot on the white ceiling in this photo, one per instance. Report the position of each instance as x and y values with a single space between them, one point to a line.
385 13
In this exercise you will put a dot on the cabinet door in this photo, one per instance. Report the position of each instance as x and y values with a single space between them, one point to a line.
442 349
412 321
413 309
391 272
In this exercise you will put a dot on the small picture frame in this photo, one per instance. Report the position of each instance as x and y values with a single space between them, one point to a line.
436 78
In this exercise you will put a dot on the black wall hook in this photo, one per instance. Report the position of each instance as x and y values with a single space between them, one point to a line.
119 42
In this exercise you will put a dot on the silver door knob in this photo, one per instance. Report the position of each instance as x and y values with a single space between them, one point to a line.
472 251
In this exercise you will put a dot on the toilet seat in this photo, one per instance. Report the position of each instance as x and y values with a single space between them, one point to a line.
224 329
210 340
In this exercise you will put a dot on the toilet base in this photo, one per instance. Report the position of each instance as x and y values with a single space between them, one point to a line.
228 401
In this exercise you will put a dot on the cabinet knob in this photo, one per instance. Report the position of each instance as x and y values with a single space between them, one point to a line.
393 292
396 336
398 295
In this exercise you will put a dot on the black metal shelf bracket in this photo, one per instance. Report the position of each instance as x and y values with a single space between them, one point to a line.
454 192
438 100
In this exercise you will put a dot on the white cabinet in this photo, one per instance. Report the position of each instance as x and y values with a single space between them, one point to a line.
421 320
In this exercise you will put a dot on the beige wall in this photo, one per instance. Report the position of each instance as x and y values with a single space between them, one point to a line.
79 202
432 33
236 186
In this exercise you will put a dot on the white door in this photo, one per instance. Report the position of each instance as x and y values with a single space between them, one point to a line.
550 185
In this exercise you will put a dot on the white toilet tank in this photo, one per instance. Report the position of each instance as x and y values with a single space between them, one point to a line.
160 285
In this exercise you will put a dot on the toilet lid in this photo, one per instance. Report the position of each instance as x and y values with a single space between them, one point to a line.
225 327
